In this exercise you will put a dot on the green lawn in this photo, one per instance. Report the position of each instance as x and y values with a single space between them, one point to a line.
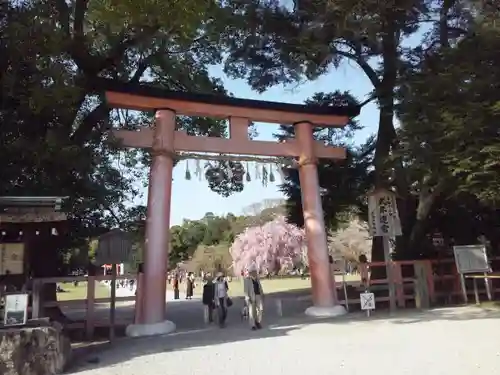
72 292
236 287
271 285
280 285
492 305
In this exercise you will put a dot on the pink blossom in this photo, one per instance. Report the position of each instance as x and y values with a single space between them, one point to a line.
270 247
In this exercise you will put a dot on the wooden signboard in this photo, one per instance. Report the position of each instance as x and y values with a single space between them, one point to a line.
383 217
11 258
383 220
16 309
471 259
114 247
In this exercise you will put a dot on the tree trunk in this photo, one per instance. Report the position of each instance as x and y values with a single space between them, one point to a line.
425 202
384 140
386 135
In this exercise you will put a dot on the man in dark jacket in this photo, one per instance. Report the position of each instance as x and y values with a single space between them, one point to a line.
208 298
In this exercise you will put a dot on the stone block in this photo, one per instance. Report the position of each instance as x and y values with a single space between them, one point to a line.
34 350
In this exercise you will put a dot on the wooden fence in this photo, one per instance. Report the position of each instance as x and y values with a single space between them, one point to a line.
420 284
89 304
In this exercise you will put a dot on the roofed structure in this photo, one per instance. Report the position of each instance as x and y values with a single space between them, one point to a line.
31 209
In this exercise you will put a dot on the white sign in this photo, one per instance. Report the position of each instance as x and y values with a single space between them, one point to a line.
383 217
16 309
471 258
367 301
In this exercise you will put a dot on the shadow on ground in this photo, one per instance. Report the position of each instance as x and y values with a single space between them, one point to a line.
104 354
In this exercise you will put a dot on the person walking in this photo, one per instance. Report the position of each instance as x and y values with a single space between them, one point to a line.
221 298
175 284
190 285
254 298
208 298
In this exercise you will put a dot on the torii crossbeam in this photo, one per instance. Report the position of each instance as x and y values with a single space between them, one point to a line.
164 141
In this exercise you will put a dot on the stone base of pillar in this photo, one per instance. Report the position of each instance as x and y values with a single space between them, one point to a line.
140 330
326 312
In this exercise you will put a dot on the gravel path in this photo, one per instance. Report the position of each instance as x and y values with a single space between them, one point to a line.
452 341
188 314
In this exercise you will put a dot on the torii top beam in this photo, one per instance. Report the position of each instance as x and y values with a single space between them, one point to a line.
145 97
240 112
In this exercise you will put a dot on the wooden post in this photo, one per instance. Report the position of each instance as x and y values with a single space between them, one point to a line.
430 280
488 287
422 300
464 288
390 278
279 307
344 286
112 308
138 298
398 280
37 302
89 321
476 292
458 283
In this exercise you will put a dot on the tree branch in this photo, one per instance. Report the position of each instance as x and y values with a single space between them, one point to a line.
63 11
367 69
88 123
144 65
370 99
101 111
80 10
112 213
119 49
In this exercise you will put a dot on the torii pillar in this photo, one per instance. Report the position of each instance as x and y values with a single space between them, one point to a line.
154 287
324 291
164 141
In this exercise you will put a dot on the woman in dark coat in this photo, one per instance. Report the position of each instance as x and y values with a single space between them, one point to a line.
190 286
175 284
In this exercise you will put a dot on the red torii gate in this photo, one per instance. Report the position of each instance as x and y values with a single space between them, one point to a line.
164 141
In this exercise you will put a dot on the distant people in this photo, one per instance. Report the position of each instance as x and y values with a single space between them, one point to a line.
175 285
254 298
221 298
208 298
190 285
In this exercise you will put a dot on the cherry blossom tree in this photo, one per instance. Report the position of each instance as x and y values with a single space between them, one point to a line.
350 241
271 247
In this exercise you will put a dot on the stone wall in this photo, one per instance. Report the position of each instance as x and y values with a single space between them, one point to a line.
41 350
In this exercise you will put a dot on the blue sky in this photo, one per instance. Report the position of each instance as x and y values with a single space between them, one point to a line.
192 199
